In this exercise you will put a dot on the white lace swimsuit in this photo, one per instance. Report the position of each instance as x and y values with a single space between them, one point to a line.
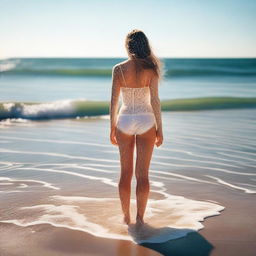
136 114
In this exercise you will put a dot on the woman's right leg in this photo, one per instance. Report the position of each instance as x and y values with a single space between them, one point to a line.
126 149
144 147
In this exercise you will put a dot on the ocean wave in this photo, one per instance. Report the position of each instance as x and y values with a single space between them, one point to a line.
59 72
84 108
102 67
7 65
10 69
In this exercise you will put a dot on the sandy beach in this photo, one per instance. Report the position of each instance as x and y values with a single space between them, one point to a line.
59 188
229 234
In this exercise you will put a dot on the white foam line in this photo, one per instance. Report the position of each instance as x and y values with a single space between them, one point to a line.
98 234
82 165
165 178
241 138
220 139
230 140
106 160
157 184
192 160
109 160
84 198
182 176
76 166
198 155
226 143
102 165
104 180
23 185
58 141
80 219
45 184
249 191
194 155
241 152
199 136
226 128
7 183
246 184
237 156
214 148
190 213
6 163
195 160
11 167
57 154
13 191
204 167
19 164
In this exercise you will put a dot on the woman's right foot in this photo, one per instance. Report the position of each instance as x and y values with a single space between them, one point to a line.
139 221
127 220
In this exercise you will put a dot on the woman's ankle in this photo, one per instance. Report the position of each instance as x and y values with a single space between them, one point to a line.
139 220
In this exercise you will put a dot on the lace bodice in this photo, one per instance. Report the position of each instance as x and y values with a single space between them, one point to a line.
135 100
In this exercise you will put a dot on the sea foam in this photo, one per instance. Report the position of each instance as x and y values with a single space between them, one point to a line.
170 218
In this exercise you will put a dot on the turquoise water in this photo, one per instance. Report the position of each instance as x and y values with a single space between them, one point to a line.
63 82
65 172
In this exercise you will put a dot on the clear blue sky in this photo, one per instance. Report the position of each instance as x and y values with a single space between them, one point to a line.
82 28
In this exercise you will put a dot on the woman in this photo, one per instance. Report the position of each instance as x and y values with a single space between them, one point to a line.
139 119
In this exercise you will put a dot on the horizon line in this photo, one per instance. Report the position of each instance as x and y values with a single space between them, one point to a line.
123 57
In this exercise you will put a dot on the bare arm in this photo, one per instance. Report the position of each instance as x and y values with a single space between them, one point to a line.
155 102
114 105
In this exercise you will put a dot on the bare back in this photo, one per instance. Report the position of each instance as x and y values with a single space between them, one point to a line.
133 77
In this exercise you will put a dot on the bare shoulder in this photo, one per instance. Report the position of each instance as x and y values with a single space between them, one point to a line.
115 69
122 63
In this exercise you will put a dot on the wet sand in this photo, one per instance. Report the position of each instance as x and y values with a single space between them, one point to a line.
232 233
61 164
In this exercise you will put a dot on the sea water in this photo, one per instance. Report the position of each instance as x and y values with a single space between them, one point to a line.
64 172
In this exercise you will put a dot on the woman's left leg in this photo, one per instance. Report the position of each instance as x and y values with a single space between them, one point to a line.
126 149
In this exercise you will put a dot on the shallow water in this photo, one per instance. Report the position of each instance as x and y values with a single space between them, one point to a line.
65 173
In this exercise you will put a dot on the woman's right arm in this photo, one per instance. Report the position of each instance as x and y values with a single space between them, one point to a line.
156 105
114 104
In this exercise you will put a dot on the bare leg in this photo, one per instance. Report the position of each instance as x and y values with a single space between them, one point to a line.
126 149
144 146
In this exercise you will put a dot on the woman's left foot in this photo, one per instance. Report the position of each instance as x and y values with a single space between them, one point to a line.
139 221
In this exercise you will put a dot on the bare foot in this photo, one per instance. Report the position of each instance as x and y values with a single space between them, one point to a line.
127 220
139 221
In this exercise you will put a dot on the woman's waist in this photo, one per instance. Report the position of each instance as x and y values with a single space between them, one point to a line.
121 113
136 111
135 108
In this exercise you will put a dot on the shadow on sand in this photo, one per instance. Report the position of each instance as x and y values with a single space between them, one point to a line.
170 241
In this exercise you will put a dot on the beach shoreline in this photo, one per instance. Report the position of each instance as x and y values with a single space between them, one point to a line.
218 237
70 172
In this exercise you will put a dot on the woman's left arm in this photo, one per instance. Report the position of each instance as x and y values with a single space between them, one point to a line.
114 104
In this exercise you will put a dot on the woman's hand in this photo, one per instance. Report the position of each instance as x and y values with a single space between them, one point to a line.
113 136
159 138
